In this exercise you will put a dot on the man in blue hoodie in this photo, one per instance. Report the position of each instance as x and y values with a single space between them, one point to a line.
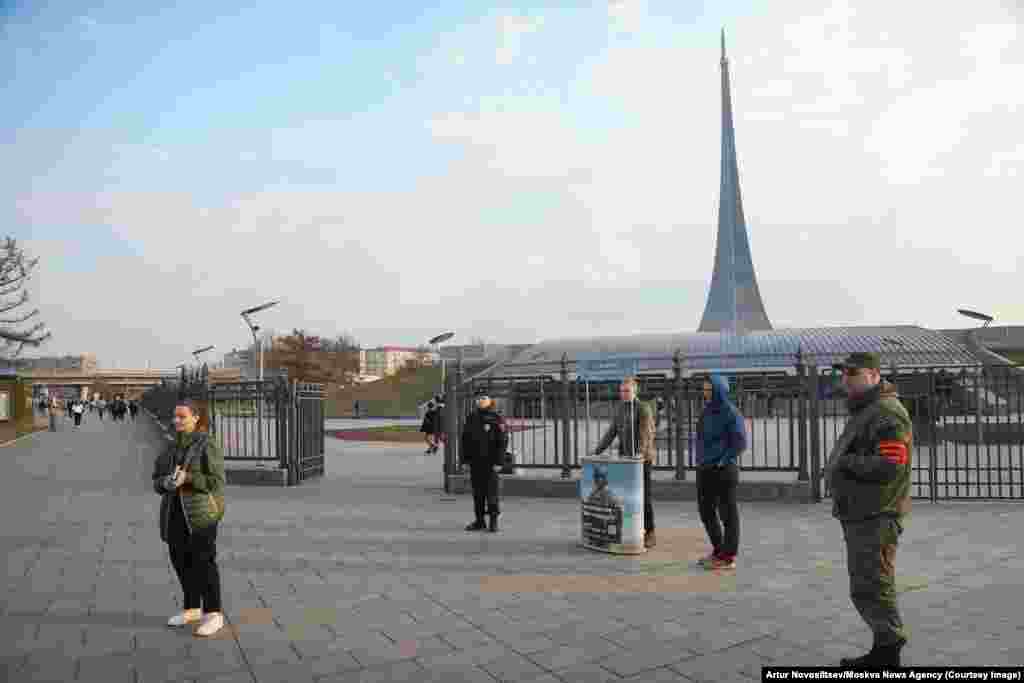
721 436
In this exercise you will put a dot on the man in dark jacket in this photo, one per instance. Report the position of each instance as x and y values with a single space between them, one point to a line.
483 446
721 436
869 474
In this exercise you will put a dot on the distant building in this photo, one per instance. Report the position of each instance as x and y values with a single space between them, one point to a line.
384 361
85 362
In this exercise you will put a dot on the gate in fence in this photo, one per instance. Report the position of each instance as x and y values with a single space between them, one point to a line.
968 423
272 423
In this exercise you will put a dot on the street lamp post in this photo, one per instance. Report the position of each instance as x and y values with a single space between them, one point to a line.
987 319
255 328
436 343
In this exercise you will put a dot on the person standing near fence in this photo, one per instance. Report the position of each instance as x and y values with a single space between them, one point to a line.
429 428
190 477
721 437
869 473
483 446
634 425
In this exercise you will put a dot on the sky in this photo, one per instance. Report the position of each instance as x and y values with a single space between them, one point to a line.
515 174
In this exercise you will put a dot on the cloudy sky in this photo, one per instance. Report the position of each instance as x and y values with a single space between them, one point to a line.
530 172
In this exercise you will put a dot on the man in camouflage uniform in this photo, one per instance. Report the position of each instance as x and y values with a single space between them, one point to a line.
869 474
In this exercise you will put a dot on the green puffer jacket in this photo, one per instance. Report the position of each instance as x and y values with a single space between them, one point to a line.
872 476
203 498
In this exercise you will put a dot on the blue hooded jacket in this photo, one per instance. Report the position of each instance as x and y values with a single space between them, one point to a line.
721 433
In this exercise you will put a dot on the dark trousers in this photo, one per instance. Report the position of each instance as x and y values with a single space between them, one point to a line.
485 490
716 500
78 419
194 556
648 508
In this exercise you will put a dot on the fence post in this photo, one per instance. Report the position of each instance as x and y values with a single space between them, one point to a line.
801 370
566 458
677 389
933 419
451 440
813 382
294 433
460 410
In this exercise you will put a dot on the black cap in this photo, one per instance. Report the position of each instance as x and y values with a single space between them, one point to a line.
861 360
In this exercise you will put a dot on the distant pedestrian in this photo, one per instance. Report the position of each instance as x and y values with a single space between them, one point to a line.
429 427
77 410
721 436
101 405
484 444
355 409
869 473
634 425
189 476
133 409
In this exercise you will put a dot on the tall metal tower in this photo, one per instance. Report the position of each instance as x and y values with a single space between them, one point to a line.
734 300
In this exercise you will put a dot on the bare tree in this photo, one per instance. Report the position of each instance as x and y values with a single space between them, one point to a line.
16 331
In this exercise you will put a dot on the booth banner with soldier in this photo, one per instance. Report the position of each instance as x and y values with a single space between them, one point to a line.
612 505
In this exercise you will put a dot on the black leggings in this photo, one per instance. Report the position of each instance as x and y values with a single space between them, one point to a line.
716 500
194 556
648 507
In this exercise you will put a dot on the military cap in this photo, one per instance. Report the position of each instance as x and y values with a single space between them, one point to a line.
861 360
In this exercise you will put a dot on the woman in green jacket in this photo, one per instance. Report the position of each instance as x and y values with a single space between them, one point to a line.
189 476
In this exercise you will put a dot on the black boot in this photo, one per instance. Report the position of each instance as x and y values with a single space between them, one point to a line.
880 656
494 524
478 525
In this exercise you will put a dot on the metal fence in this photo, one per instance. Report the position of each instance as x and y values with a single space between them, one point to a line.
271 422
968 422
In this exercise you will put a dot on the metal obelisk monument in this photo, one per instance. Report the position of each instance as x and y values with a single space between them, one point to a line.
734 301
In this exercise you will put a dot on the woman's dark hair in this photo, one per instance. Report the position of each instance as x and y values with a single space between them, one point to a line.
188 403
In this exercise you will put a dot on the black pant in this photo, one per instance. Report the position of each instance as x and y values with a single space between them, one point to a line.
648 508
78 419
716 498
194 556
485 490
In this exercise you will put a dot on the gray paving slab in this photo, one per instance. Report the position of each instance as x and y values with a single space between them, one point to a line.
367 575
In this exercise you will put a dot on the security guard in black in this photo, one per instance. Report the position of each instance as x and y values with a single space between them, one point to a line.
483 446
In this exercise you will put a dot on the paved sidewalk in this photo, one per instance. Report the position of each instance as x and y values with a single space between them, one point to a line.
367 575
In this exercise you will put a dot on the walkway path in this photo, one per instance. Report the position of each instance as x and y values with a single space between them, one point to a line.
367 575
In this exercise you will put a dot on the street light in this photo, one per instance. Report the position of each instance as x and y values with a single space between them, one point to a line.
967 313
436 342
255 328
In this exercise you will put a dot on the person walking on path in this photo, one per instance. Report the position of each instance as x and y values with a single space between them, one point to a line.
634 425
77 409
101 405
721 436
133 409
869 474
484 443
429 428
189 476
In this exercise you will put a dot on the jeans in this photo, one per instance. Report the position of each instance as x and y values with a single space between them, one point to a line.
716 500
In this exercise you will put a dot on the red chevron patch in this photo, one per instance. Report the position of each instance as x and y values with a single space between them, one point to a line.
894 451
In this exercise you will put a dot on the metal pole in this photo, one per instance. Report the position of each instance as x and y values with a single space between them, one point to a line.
677 390
589 452
261 359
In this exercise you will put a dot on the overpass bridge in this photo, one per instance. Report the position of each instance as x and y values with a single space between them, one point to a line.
76 383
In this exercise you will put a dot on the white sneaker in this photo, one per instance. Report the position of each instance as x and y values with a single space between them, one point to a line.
189 616
212 623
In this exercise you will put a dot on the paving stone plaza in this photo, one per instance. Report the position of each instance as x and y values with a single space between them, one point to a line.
367 575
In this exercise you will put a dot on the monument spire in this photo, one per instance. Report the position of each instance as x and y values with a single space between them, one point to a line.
734 301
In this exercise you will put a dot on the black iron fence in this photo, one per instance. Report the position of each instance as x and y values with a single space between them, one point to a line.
273 422
968 422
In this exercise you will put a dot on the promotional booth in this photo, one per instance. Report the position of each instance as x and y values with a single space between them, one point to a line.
611 493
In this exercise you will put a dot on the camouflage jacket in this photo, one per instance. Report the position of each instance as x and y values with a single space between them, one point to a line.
871 476
641 429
